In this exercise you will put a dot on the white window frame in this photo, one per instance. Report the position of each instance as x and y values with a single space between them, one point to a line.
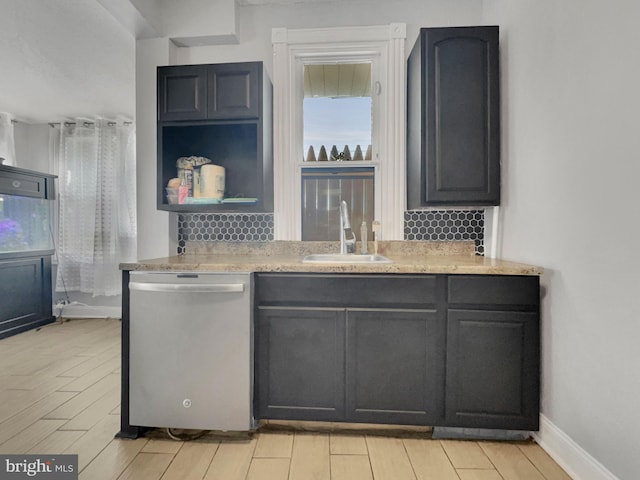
384 46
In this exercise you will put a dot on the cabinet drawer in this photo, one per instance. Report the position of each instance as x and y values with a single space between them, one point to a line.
494 290
367 291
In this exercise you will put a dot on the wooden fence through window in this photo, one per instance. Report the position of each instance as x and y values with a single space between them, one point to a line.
336 155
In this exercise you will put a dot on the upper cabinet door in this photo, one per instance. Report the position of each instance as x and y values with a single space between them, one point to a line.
182 93
453 124
233 90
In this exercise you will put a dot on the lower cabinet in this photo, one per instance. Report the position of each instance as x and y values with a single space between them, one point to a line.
493 352
457 351
25 290
357 365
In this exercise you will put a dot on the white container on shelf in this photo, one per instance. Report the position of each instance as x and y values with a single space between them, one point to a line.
212 181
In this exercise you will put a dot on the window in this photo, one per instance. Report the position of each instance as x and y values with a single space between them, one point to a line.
337 127
337 111
297 51
322 191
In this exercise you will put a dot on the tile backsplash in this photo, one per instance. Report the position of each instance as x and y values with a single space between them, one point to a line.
445 226
433 225
224 227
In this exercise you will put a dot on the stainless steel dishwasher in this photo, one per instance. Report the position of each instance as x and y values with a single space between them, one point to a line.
191 355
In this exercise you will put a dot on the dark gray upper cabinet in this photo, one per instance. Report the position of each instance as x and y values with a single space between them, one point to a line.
221 112
182 92
216 91
233 90
453 118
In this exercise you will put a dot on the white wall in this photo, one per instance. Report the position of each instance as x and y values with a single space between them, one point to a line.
200 20
571 158
153 224
32 146
256 22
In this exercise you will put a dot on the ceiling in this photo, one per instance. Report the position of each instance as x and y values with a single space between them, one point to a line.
76 58
64 59
287 2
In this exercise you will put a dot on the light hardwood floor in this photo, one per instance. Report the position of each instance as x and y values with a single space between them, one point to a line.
59 393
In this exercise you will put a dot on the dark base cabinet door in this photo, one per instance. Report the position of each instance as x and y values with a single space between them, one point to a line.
492 378
25 290
300 364
394 361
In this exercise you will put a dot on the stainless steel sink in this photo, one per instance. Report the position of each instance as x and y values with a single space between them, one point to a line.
344 258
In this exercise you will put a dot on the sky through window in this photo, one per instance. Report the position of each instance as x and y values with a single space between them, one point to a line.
337 121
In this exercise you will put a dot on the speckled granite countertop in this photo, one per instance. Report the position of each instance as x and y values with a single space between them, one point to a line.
282 256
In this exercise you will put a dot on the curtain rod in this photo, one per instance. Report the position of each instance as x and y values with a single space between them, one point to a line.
86 124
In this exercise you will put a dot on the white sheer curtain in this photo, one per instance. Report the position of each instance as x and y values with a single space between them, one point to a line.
97 210
7 143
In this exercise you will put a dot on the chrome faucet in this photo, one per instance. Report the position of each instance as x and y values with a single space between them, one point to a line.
347 237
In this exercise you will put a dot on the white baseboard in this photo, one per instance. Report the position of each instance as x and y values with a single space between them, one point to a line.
86 311
568 454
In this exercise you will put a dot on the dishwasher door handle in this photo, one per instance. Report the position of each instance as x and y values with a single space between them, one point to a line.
187 287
